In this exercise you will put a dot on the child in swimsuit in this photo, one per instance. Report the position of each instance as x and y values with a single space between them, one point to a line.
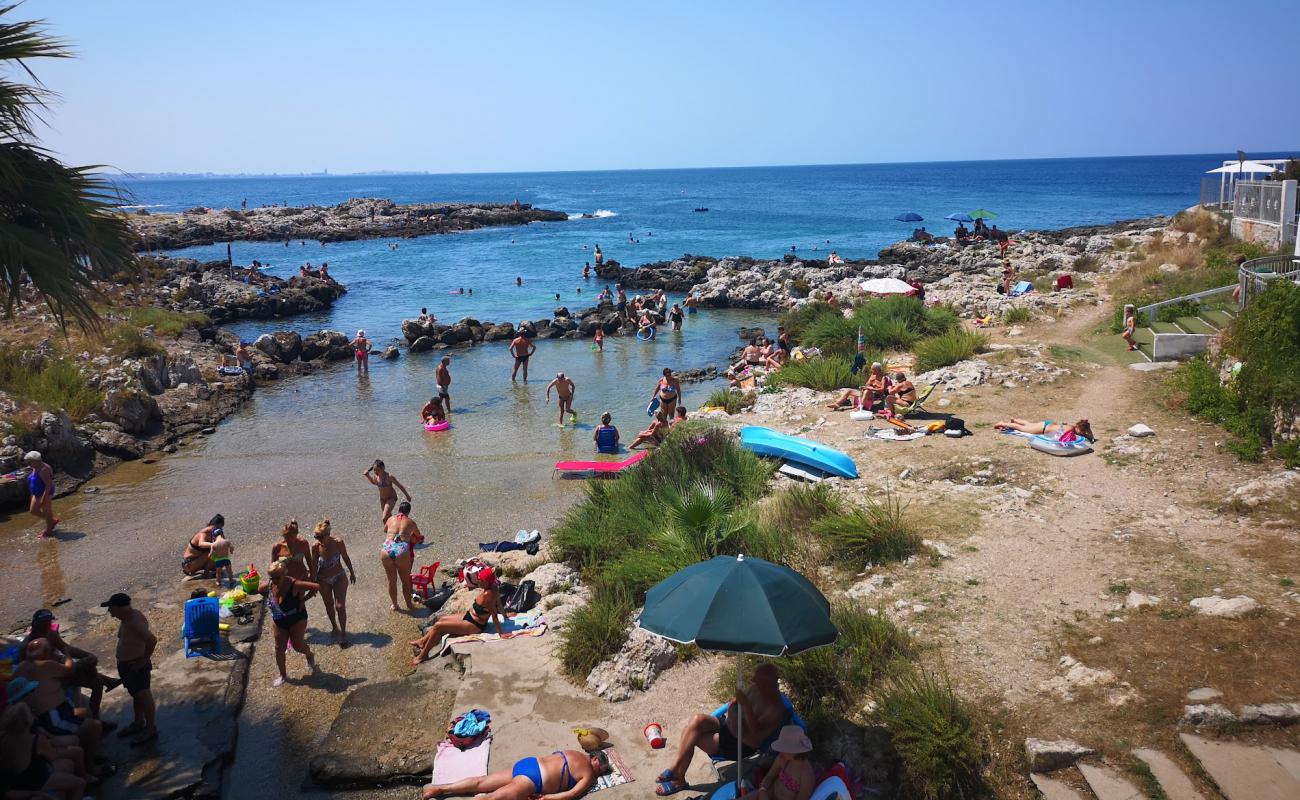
221 552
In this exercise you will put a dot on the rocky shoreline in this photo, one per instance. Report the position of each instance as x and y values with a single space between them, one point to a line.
958 272
358 218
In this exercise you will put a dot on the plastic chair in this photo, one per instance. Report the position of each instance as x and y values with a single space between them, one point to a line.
423 580
202 630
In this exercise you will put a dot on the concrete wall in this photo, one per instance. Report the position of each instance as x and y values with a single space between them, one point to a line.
1254 230
1175 346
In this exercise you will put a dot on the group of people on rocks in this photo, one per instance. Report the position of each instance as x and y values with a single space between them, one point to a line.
51 734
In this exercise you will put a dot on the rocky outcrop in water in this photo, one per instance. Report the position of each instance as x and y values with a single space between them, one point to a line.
223 294
423 336
359 218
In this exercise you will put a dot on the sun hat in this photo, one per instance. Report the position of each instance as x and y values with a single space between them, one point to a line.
360 332
18 688
792 740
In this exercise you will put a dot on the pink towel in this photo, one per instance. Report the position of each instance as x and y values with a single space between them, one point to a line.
451 764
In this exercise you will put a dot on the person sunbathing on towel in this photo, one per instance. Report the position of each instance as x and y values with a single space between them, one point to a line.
1066 433
563 775
764 714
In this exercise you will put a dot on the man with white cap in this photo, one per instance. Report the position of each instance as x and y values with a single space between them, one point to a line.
41 483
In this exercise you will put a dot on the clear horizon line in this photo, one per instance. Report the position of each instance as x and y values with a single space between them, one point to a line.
399 172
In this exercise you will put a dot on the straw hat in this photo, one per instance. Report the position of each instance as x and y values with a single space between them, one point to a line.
792 740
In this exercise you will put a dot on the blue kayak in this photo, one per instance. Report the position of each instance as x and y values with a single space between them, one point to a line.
767 442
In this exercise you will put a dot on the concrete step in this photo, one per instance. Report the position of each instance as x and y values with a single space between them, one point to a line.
1174 782
1288 759
1108 784
1243 772
1053 789
1216 317
1196 325
1166 327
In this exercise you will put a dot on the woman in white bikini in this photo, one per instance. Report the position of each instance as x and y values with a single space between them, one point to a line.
331 554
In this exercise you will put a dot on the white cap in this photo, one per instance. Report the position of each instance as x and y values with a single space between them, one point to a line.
360 332
32 455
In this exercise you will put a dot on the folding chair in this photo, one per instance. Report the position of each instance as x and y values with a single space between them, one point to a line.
919 405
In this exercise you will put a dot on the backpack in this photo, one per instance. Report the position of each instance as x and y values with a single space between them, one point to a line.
523 598
955 427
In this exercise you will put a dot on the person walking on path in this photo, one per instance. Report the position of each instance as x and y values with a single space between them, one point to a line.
361 345
385 482
41 484
286 598
331 554
442 379
397 555
135 646
564 389
522 349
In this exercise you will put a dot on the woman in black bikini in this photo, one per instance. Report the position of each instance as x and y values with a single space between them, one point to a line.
330 554
197 558
487 605
286 597
384 481
669 392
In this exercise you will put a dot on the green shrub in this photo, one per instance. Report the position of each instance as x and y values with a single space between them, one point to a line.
823 374
1266 337
52 384
938 745
796 507
797 320
833 334
732 402
131 342
1017 315
1086 263
593 633
948 348
939 319
1171 312
877 533
165 321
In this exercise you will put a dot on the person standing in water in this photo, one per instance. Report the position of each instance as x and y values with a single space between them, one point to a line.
331 554
600 338
385 482
675 317
669 392
564 388
586 271
40 482
522 349
692 304
599 258
519 281
442 379
362 347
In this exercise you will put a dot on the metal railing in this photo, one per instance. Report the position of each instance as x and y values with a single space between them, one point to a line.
1185 298
1216 193
1258 200
1254 275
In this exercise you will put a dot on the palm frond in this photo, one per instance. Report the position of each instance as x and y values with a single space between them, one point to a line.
21 103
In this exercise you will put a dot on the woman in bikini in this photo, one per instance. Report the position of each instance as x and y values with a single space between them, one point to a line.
655 434
384 481
486 606
1066 433
1130 327
361 345
197 558
294 553
564 774
669 392
400 531
791 776
331 554
286 598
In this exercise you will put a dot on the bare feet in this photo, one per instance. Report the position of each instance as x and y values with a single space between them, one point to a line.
431 791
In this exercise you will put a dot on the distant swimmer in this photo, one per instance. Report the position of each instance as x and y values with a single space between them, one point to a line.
522 349
557 296
586 271
564 389
519 281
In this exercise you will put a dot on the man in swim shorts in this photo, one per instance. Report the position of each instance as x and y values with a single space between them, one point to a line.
522 349
442 378
135 646
563 775
564 389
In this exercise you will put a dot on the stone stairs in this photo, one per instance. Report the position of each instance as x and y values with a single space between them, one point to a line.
1205 324
1238 772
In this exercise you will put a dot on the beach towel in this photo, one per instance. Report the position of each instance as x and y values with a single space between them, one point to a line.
530 624
618 773
451 764
1024 287
894 434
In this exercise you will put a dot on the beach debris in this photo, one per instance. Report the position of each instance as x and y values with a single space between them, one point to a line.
1227 607
1139 430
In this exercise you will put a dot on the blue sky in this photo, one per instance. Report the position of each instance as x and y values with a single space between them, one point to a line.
292 85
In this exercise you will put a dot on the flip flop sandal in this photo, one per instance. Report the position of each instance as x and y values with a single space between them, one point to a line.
665 788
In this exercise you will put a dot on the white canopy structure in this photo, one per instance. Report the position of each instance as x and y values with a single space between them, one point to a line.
1243 167
886 286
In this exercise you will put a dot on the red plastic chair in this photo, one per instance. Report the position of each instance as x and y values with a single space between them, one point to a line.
422 582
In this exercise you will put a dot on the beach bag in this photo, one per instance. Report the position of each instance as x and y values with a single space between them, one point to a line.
472 572
435 600
523 599
1064 282
468 729
955 427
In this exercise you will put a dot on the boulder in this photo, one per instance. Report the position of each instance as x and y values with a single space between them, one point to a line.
1136 600
634 668
499 333
266 371
422 344
413 329
1203 694
63 445
284 347
1139 430
132 409
182 369
1212 714
1270 714
112 441
553 577
152 373
1046 756
390 353
329 345
562 311
457 334
1227 607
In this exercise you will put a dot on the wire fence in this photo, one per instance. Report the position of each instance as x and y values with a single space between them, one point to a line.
1258 200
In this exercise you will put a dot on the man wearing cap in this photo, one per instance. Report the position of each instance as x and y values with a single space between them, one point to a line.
41 483
135 646
84 663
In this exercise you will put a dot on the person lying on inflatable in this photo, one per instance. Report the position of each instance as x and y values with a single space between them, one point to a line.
433 411
1065 433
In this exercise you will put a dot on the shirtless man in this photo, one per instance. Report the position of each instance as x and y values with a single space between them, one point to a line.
135 646
442 379
564 389
522 348
763 711
749 357
245 358
85 664
55 714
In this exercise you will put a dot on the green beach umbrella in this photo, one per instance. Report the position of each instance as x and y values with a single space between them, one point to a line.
982 213
735 604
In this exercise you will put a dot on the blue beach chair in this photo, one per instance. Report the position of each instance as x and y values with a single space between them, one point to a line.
202 631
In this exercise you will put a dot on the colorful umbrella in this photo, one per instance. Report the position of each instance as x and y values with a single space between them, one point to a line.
910 216
960 217
982 213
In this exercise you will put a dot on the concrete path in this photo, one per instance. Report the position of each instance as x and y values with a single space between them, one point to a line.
1107 784
1243 772
1174 782
1053 789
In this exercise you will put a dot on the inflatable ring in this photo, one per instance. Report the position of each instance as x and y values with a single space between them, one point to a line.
1050 445
437 426
648 338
